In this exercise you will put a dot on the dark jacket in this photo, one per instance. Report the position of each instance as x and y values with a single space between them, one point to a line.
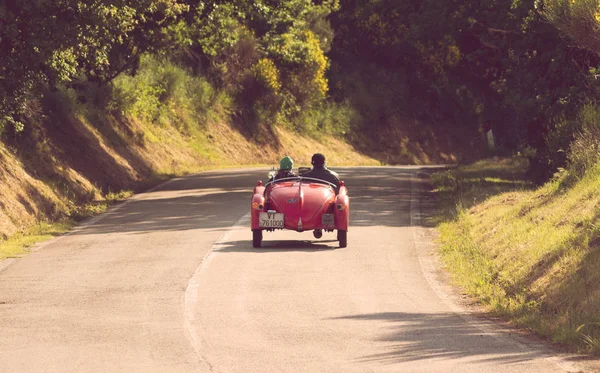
326 174
282 174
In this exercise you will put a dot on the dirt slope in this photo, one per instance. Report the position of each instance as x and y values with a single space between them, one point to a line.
64 168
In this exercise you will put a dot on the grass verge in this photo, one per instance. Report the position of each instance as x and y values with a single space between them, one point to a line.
528 254
18 244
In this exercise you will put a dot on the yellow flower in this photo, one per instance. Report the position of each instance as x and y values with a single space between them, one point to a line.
266 71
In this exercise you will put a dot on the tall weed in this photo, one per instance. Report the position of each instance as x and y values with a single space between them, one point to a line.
330 118
584 152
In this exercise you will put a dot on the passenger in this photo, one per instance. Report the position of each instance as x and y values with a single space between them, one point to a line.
285 168
320 171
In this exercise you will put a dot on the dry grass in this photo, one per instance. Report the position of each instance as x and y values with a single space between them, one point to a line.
339 153
81 166
529 254
409 141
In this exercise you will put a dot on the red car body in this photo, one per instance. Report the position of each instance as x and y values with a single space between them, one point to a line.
300 204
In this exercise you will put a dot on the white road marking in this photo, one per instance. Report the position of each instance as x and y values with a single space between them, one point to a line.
190 300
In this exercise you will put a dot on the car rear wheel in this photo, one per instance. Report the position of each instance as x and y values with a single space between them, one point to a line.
342 237
256 237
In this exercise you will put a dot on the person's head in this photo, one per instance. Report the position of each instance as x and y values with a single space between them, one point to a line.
286 164
318 160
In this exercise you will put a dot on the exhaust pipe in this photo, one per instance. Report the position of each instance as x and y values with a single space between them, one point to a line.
318 233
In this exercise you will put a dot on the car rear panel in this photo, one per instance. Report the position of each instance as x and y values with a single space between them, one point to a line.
302 203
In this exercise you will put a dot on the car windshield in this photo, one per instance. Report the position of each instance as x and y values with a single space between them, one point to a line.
300 178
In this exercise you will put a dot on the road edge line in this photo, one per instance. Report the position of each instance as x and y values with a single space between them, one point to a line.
190 298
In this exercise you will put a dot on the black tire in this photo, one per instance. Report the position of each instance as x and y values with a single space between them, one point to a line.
256 237
342 237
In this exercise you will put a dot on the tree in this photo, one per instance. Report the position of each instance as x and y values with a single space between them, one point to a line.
49 42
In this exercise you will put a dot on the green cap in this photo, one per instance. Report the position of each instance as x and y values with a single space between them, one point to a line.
286 163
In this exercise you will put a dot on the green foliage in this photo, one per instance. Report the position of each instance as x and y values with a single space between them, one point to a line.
451 64
303 63
8 120
529 254
584 153
456 64
269 56
98 40
333 119
160 89
579 19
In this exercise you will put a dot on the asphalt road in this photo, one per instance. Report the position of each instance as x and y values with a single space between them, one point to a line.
169 282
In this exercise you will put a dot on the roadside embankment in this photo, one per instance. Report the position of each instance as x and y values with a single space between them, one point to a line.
85 146
73 167
529 254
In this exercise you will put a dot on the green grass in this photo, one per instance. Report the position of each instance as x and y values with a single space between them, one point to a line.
90 209
199 144
465 186
17 245
529 254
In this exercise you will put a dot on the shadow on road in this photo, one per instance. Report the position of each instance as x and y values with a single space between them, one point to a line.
274 246
215 200
214 210
419 336
381 197
208 200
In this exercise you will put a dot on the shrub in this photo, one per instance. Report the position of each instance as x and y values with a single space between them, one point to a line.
584 150
267 73
140 94
329 118
163 91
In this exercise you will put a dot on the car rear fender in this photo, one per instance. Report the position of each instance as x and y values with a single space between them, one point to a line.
257 206
342 210
259 189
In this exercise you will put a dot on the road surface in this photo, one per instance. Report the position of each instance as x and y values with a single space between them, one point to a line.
169 282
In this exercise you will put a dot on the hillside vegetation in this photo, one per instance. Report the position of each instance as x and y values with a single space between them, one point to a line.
125 94
84 158
406 81
529 253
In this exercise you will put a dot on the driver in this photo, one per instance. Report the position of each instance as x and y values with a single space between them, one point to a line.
320 171
285 168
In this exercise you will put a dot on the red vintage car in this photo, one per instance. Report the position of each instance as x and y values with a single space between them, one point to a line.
301 204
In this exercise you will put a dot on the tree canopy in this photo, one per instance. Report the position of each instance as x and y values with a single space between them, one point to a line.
450 63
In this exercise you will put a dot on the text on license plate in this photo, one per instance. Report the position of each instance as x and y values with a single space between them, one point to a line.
270 220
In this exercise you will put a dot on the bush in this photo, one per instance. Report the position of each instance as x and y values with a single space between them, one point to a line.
330 118
584 151
162 91
140 94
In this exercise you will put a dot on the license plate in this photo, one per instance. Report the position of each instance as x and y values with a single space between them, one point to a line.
327 220
270 220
